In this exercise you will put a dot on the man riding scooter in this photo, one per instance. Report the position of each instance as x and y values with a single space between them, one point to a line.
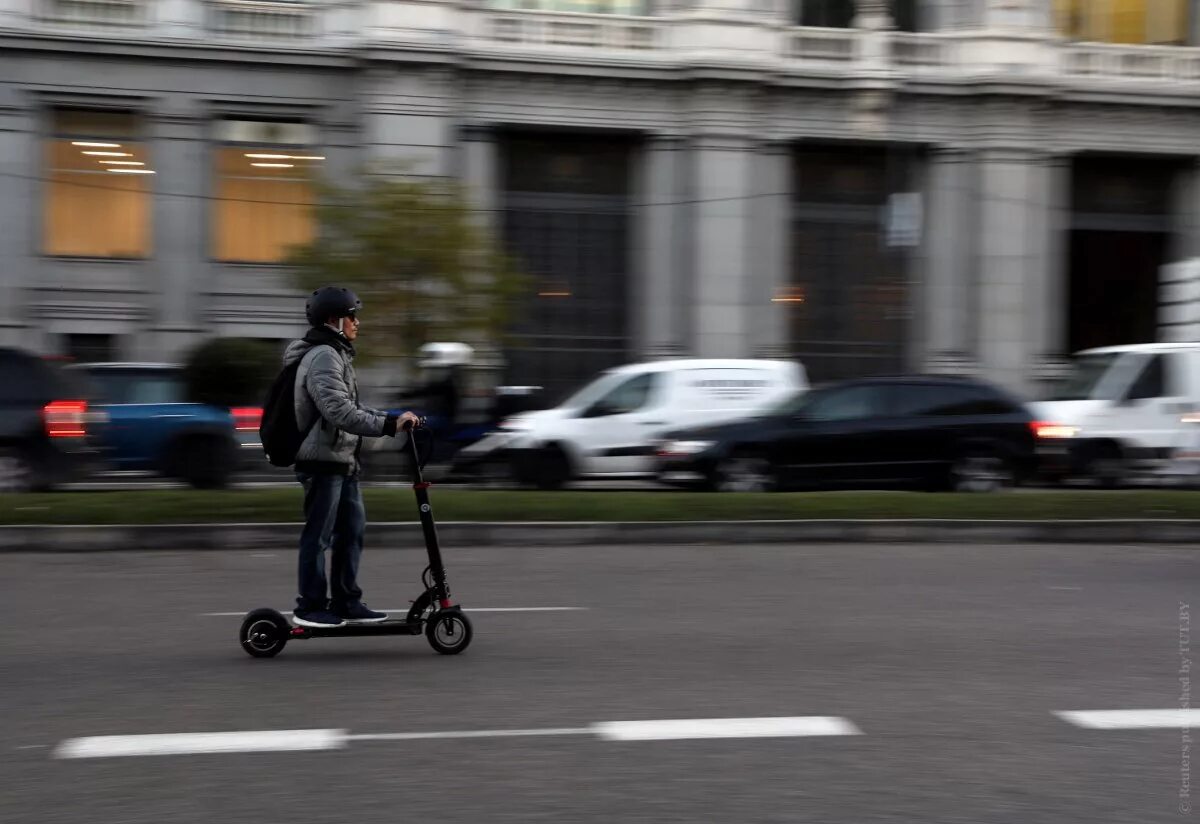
440 396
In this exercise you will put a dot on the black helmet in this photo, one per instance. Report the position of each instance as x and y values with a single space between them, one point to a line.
330 302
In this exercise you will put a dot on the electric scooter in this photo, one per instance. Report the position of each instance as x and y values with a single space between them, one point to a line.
265 632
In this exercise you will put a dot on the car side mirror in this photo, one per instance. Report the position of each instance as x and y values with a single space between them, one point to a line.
597 410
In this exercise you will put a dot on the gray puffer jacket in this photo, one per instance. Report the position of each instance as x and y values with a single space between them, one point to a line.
327 386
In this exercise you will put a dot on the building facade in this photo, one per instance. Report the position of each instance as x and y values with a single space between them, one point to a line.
870 186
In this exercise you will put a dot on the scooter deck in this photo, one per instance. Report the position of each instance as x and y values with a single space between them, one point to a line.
398 627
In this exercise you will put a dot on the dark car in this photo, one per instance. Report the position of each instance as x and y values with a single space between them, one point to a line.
934 433
45 418
150 425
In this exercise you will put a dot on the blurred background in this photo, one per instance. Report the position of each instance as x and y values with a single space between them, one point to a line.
976 188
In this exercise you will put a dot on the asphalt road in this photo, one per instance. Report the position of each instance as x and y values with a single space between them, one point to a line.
949 662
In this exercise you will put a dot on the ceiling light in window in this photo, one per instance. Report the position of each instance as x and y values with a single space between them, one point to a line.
269 156
95 145
132 171
123 162
274 165
110 154
307 157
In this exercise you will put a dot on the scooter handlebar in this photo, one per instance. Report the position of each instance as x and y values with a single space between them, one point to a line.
409 425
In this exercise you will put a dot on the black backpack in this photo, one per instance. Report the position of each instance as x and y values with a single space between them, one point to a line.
280 434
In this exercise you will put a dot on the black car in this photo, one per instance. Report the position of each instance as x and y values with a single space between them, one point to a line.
934 433
45 414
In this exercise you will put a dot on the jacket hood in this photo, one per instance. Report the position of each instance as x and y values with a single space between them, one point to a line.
317 336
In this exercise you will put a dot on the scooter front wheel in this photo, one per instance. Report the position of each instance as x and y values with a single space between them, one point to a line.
449 633
264 633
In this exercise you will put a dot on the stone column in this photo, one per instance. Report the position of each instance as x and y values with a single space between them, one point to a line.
721 170
479 172
1048 329
1014 246
659 297
20 165
179 153
948 307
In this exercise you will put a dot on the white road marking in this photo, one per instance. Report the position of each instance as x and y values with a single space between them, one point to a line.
724 728
417 736
404 611
110 746
1066 589
116 746
1132 719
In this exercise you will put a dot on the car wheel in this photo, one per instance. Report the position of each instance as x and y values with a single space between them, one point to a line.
17 471
204 464
553 469
1106 467
494 474
744 472
981 470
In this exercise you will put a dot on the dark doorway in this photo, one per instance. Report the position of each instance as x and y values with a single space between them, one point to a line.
567 214
848 301
1119 240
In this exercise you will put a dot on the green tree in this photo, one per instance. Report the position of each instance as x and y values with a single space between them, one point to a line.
414 253
230 371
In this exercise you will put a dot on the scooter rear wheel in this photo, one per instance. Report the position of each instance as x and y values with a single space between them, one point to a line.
449 633
264 633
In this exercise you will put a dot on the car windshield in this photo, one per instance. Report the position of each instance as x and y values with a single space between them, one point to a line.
1087 371
593 390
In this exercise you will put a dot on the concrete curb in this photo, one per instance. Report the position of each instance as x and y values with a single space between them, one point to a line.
89 538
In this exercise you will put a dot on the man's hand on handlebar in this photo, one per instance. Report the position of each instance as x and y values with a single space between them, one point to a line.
408 422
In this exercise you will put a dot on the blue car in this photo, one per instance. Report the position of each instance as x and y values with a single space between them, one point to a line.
145 423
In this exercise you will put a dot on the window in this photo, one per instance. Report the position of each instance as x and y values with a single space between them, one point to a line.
120 387
946 400
1154 22
840 14
97 195
635 8
90 348
630 396
1151 383
264 190
850 404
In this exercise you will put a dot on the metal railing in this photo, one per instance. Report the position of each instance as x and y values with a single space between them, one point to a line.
262 18
1109 62
928 50
598 31
94 12
825 45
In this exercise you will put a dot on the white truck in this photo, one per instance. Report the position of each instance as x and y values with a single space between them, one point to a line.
1124 411
609 427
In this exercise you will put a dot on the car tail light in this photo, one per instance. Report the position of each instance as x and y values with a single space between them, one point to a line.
247 418
1051 431
1190 417
65 419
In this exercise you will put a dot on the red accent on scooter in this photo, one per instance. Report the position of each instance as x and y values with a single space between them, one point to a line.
422 485
446 603
297 630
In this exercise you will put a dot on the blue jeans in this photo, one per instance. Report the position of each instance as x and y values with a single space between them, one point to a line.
335 519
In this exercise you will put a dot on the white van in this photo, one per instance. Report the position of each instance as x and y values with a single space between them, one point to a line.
1124 410
608 428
